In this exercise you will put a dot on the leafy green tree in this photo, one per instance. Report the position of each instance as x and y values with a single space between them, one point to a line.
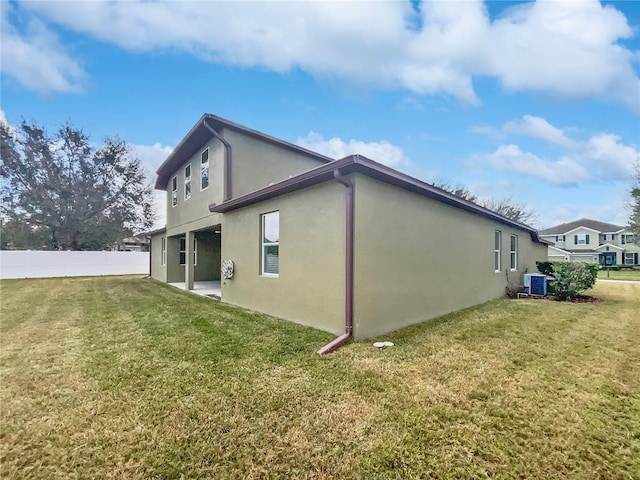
79 195
506 207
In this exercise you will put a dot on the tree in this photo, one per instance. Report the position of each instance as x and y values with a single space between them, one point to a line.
78 195
506 207
634 194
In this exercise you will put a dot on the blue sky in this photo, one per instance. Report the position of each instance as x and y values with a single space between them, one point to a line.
538 101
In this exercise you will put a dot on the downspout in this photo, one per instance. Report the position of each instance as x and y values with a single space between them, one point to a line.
227 160
348 308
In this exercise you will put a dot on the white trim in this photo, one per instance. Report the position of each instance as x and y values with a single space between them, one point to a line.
609 245
564 252
163 247
497 251
514 252
584 228
264 244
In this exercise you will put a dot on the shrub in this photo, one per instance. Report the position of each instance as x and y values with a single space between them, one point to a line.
545 267
569 278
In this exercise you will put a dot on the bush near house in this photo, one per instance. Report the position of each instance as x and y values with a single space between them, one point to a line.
570 278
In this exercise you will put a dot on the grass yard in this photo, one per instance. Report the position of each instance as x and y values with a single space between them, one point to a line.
620 275
127 378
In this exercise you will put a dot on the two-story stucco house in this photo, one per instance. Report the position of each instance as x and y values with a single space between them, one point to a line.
345 245
591 241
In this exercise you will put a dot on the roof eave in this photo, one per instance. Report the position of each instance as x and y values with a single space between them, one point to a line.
360 164
199 135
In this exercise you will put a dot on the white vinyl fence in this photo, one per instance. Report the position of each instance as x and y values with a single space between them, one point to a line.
40 264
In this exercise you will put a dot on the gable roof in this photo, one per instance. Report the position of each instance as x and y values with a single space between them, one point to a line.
563 228
200 134
363 165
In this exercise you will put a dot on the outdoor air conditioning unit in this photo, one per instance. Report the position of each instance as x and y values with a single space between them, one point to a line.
535 284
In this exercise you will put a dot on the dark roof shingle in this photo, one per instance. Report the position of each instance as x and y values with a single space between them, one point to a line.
583 222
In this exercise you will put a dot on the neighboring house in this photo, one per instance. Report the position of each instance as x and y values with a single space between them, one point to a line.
591 241
341 245
134 244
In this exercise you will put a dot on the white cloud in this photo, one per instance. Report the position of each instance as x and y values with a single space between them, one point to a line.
564 171
382 152
37 60
539 128
609 158
600 157
568 49
565 48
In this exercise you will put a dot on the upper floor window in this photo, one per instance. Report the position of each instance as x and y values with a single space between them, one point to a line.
582 239
497 245
270 244
204 169
187 182
513 252
625 238
609 237
174 191
559 238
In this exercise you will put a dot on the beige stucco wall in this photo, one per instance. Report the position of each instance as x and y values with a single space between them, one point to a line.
257 163
570 239
193 214
417 258
158 271
310 287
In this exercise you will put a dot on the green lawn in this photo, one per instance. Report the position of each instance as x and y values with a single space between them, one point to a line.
620 275
127 378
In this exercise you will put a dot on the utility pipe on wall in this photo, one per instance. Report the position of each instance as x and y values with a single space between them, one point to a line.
227 160
348 309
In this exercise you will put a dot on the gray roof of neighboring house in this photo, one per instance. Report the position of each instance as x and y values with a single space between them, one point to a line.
360 164
583 222
199 135
140 239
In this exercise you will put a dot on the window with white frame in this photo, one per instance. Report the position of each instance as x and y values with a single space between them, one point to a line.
187 182
270 244
163 257
174 191
609 237
204 169
497 240
626 238
581 239
195 251
630 258
513 252
183 251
